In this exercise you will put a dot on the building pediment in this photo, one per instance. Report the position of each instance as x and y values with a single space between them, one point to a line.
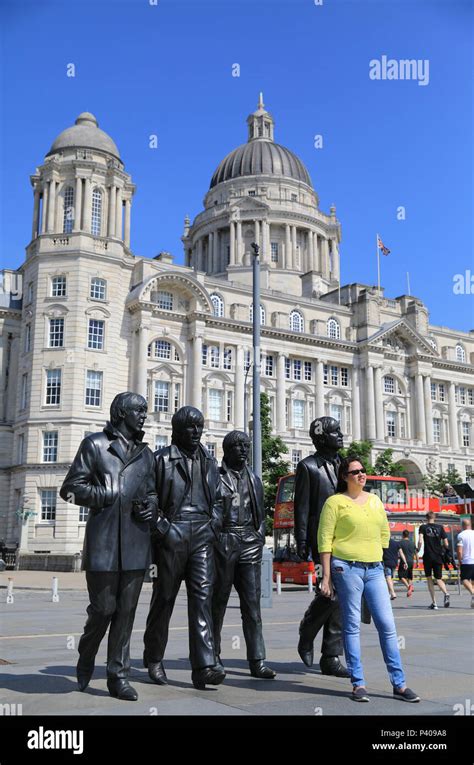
399 337
248 206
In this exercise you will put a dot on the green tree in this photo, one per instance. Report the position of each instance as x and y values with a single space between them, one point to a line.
435 484
384 464
273 465
361 450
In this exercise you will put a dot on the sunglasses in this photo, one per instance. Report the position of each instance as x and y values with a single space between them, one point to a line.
356 472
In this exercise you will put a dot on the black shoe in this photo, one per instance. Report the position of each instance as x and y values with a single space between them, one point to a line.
306 653
84 674
331 665
156 672
207 676
258 669
406 695
359 694
120 688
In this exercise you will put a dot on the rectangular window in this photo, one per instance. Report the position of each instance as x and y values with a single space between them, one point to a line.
165 301
389 384
24 391
27 346
308 371
297 369
335 411
251 193
93 388
214 356
50 446
56 333
287 368
436 430
83 514
334 375
204 355
294 197
269 366
95 334
48 504
468 470
177 396
433 391
295 458
470 396
161 396
53 387
344 377
58 286
274 252
30 292
215 404
246 361
466 434
161 442
211 448
325 374
229 406
462 395
21 448
227 358
391 420
451 467
98 289
441 392
298 413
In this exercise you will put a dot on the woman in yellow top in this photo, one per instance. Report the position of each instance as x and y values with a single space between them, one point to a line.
353 529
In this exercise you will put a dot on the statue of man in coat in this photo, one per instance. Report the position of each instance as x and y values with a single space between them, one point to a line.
112 475
187 485
315 481
239 550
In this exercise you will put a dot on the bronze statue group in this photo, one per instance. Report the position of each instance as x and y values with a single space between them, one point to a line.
179 515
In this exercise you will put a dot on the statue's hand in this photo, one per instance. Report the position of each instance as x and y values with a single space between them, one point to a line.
302 550
144 510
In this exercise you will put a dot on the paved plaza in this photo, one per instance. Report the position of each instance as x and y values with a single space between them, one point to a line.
39 643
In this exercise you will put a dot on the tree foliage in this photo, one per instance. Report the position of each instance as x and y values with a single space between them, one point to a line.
384 464
435 484
273 465
361 450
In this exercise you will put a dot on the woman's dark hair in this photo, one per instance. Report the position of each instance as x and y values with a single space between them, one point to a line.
343 470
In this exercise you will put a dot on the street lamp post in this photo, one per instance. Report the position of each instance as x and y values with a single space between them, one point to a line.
257 428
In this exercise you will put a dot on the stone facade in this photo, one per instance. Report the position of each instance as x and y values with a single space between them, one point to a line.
94 319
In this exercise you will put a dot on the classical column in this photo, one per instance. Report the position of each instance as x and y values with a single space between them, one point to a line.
87 217
280 395
239 254
118 214
199 265
319 388
428 411
288 258
379 404
453 419
76 226
239 423
311 251
36 207
420 409
356 429
51 206
325 257
232 243
126 235
141 361
335 261
256 235
210 251
265 242
196 372
294 249
44 211
370 403
112 202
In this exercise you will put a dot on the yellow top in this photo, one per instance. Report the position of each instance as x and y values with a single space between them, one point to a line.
352 531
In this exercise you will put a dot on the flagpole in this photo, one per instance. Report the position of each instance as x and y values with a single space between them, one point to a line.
378 265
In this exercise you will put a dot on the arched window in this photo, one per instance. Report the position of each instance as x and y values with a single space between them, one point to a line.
334 330
217 305
460 353
96 219
262 314
164 300
160 349
296 321
68 219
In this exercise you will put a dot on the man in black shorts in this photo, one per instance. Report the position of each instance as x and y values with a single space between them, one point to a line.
434 540
405 573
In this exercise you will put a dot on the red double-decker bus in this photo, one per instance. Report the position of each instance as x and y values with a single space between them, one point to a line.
405 509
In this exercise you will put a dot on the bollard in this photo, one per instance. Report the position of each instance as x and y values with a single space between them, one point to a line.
310 582
10 598
278 582
55 597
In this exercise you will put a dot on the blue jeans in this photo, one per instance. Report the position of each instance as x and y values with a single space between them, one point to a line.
351 580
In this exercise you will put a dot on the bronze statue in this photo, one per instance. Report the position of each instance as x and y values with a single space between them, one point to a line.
112 475
239 550
316 480
187 485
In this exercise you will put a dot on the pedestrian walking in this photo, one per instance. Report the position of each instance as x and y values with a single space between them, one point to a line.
434 540
465 551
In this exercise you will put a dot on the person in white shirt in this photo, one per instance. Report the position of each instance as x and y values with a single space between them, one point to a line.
465 550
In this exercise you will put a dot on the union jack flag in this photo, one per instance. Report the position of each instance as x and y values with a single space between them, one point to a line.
381 246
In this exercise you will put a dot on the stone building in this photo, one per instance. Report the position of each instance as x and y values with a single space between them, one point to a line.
83 318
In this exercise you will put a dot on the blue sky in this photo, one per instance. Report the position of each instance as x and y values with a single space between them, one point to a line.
166 69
